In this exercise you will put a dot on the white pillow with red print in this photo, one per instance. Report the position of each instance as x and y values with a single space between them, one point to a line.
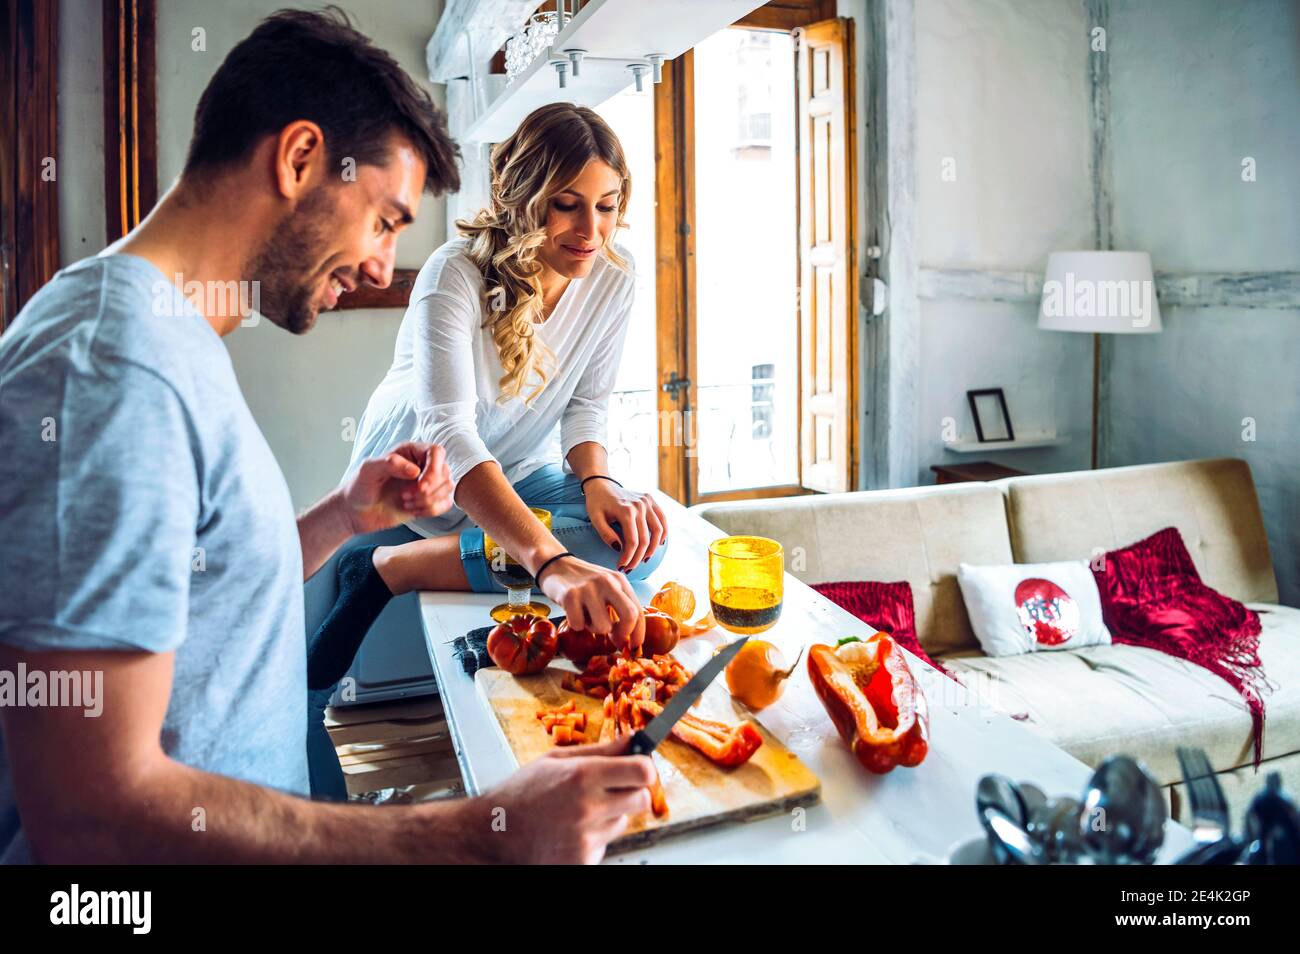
1031 607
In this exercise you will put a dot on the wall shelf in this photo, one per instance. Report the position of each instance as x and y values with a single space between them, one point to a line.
537 85
997 447
614 34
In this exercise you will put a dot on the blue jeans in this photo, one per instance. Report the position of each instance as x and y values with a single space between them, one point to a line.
549 488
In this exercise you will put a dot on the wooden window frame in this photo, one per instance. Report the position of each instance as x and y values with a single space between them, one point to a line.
396 295
675 263
130 67
29 125
674 266
787 15
828 248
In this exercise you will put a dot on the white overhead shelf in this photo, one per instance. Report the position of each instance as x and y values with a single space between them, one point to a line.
613 34
633 29
990 447
537 85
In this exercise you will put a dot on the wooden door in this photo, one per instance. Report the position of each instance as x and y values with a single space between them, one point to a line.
828 296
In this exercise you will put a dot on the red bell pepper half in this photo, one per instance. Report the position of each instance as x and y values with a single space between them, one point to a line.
873 699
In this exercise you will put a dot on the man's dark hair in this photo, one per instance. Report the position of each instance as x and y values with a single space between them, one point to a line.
303 65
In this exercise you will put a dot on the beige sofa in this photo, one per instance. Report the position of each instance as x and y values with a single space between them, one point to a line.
1094 701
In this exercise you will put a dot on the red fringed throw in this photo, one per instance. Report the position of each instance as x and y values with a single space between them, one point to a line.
886 607
1152 596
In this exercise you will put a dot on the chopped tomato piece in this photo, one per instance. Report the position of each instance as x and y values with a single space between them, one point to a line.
727 745
658 799
564 723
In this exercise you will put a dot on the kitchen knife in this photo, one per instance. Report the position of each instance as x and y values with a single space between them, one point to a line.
645 741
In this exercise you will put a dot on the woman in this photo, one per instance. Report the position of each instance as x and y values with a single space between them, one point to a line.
513 329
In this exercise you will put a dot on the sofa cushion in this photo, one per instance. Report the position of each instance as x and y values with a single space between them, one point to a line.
1077 516
917 535
1100 700
1033 607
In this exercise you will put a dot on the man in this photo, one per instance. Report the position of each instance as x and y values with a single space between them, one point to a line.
146 532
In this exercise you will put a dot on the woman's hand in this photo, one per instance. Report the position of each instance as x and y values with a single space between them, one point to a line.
643 524
588 592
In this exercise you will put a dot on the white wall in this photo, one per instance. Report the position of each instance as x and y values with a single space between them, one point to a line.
1003 94
299 389
1196 86
81 131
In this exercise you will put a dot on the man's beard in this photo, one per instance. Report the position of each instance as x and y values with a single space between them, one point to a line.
287 288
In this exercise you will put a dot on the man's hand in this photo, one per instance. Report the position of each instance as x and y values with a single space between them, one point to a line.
567 806
410 481
638 515
56 756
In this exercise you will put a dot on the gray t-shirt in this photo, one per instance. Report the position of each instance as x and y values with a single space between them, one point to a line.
141 509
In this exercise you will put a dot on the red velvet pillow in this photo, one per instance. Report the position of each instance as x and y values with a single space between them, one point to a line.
1152 596
884 606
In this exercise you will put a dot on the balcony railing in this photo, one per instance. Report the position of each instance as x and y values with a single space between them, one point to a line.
733 425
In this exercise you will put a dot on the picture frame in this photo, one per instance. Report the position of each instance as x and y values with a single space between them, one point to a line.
988 408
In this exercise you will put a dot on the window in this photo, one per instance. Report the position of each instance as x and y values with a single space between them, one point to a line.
753 281
747 261
633 412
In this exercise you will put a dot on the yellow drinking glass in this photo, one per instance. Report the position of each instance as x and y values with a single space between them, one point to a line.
514 576
746 583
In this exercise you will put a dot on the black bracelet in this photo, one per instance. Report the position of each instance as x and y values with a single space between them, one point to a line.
583 486
537 577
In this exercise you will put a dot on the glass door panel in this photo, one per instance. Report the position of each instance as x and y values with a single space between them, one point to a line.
746 243
633 414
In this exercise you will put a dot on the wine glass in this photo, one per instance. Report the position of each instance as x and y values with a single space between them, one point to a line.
746 583
514 576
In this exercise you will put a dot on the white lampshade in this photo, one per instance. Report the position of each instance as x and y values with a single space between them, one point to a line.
1108 292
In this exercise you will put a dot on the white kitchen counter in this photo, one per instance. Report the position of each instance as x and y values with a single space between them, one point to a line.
902 817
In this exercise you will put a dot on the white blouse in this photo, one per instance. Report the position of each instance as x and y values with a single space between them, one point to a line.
443 384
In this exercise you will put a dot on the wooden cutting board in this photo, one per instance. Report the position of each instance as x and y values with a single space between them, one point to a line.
699 793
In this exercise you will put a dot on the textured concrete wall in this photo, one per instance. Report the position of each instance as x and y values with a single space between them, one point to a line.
1196 86
1002 108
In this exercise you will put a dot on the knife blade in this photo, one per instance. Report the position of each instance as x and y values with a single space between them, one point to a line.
645 741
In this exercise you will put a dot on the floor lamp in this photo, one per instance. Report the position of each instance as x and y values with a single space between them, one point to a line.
1099 293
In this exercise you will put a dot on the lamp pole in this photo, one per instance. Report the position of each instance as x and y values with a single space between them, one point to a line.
1096 392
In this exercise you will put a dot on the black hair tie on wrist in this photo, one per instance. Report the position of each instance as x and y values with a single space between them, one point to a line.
583 486
537 577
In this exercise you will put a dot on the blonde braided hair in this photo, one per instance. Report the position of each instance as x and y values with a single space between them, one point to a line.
540 159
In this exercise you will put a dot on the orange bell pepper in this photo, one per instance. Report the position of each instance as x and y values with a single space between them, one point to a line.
873 699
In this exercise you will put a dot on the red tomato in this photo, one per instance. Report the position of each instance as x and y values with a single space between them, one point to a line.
522 645
661 633
655 634
580 645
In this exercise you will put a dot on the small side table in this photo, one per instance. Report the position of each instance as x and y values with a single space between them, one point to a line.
976 470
